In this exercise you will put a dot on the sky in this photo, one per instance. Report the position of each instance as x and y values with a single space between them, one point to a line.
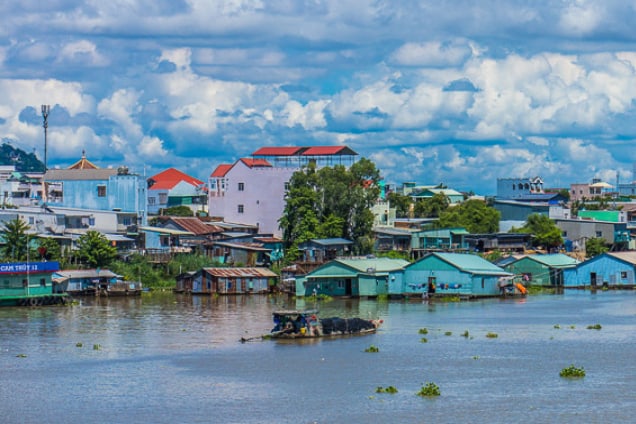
454 92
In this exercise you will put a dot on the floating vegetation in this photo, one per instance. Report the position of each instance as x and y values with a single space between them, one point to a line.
573 327
476 357
450 299
424 340
492 335
572 372
97 346
557 326
423 331
372 349
79 344
429 390
21 355
594 327
448 333
382 297
390 389
465 334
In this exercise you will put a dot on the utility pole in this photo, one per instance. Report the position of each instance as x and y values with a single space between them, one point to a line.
45 114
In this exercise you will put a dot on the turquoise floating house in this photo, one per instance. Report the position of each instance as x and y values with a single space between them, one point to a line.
461 274
542 270
28 284
608 270
369 277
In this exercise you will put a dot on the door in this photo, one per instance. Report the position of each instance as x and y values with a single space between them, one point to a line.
348 287
593 279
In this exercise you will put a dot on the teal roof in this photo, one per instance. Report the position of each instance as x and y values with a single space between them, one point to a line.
470 263
555 260
609 216
377 264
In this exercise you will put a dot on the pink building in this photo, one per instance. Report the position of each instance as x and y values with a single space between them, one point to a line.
252 190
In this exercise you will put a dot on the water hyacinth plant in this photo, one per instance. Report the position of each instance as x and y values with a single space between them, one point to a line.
492 335
430 389
372 349
572 372
423 331
594 327
390 389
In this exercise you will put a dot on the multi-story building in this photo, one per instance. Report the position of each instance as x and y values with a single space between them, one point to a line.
174 188
252 190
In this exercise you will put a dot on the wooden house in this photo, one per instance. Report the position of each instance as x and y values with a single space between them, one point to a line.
368 277
608 270
184 282
462 274
234 281
96 282
542 270
323 250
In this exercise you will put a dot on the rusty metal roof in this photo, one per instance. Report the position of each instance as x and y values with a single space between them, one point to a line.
195 225
240 272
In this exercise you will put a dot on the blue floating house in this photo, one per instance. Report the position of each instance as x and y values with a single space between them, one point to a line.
608 270
463 274
368 277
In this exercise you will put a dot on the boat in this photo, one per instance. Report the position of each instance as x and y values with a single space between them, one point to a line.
29 284
295 324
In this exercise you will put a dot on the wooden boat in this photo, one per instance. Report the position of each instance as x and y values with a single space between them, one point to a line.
293 324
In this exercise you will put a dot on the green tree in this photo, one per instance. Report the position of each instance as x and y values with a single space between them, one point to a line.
473 215
331 202
48 249
95 249
595 246
401 203
432 207
15 237
177 211
545 231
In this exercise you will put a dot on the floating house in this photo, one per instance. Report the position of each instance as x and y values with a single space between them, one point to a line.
462 274
368 277
28 284
542 270
608 270
95 282
218 280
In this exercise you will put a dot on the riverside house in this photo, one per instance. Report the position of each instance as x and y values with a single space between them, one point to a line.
608 270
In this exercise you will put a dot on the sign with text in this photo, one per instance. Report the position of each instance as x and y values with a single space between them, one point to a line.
24 267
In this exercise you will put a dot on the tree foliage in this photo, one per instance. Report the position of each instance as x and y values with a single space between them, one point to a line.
95 249
177 211
331 202
15 237
595 246
473 215
401 203
49 249
545 231
432 207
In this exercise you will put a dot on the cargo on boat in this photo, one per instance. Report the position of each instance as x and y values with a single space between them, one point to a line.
293 324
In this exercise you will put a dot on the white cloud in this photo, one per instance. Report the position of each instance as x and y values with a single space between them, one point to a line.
82 51
433 54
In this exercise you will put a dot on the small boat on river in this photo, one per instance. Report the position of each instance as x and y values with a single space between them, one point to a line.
294 324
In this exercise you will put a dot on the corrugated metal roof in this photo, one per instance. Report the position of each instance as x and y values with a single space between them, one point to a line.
221 170
166 231
629 256
194 225
375 264
87 273
240 272
328 151
78 174
256 163
277 151
393 231
470 263
555 260
169 178
331 241
258 247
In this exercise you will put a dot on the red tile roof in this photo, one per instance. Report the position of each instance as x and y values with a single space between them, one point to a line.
252 163
221 170
169 178
277 151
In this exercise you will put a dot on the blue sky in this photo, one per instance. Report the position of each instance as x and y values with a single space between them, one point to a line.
459 92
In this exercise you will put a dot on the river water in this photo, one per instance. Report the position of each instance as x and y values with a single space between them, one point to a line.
164 358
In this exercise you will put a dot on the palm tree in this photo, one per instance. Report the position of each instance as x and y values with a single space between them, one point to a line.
15 239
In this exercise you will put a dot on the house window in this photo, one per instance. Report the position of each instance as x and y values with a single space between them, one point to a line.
599 234
212 184
241 186
163 198
91 221
31 220
151 201
287 186
623 274
101 191
564 234
240 209
42 282
126 221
